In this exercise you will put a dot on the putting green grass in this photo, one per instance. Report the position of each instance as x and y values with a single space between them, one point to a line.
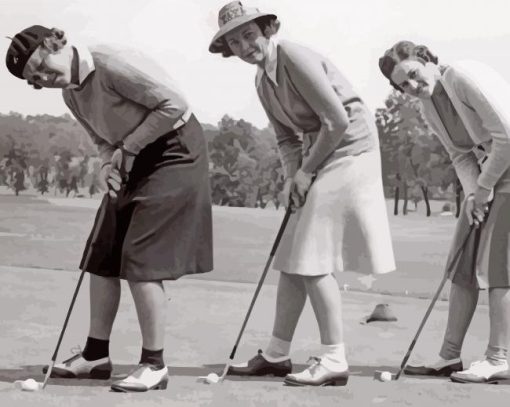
35 232
203 317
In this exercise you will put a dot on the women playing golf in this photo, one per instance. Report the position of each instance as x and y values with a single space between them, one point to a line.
466 104
330 154
156 169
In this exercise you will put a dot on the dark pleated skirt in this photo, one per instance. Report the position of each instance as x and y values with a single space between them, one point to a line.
485 260
160 227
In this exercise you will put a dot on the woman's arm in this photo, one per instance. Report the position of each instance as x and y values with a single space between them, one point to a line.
307 74
499 158
168 108
465 163
105 149
289 145
467 169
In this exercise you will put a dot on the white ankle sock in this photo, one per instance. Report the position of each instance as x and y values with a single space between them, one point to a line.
333 357
277 350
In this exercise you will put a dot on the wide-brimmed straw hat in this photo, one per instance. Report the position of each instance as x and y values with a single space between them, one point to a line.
231 16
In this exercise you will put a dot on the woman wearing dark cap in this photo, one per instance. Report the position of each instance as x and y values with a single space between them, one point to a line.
466 104
146 133
324 132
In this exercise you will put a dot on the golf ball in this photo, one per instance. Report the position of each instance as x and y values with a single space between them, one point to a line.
385 376
212 378
27 385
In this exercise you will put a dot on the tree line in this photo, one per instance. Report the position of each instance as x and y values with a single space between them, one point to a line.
415 165
55 155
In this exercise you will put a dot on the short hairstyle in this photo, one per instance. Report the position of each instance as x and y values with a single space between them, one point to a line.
400 52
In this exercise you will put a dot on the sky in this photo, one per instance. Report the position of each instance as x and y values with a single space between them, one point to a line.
176 34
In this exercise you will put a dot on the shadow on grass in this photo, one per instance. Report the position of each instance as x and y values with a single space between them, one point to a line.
121 371
363 371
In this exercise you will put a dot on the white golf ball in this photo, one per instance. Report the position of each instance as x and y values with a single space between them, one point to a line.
29 385
212 378
385 377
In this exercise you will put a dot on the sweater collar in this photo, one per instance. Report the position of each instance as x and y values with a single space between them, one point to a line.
85 65
271 63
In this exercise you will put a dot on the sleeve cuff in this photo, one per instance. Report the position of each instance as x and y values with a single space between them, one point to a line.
106 155
290 169
136 141
486 181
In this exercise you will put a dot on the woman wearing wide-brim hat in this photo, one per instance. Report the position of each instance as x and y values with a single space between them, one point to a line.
325 133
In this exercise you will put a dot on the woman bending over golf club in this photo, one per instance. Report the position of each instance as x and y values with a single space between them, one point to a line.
466 104
330 154
156 169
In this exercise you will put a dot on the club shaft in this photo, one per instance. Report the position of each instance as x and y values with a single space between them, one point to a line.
423 322
101 217
449 269
262 278
77 289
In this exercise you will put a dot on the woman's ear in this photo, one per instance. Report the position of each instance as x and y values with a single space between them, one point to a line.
49 45
56 41
271 29
432 68
58 33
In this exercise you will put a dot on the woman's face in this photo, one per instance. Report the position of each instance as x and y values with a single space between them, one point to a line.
48 70
248 43
415 78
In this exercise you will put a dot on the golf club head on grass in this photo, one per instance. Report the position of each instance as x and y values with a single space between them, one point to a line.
213 378
225 371
48 374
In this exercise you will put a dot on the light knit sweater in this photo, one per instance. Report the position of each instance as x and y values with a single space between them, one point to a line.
313 108
481 97
119 101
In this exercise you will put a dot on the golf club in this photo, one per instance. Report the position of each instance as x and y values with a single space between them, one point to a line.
100 217
259 286
378 374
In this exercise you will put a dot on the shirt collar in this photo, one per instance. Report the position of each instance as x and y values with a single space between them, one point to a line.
271 63
85 65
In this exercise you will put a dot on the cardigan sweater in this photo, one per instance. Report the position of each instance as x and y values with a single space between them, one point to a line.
481 98
119 102
313 108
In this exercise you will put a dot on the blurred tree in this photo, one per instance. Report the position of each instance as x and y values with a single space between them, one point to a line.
412 157
244 164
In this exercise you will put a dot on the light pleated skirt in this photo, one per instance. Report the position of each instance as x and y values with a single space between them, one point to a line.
343 225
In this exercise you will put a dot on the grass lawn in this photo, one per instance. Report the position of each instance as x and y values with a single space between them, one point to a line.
37 233
203 317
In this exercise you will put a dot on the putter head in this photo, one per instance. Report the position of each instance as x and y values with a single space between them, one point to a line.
384 376
213 378
225 371
48 374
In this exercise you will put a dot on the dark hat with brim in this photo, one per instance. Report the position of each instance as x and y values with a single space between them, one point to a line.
230 17
23 46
